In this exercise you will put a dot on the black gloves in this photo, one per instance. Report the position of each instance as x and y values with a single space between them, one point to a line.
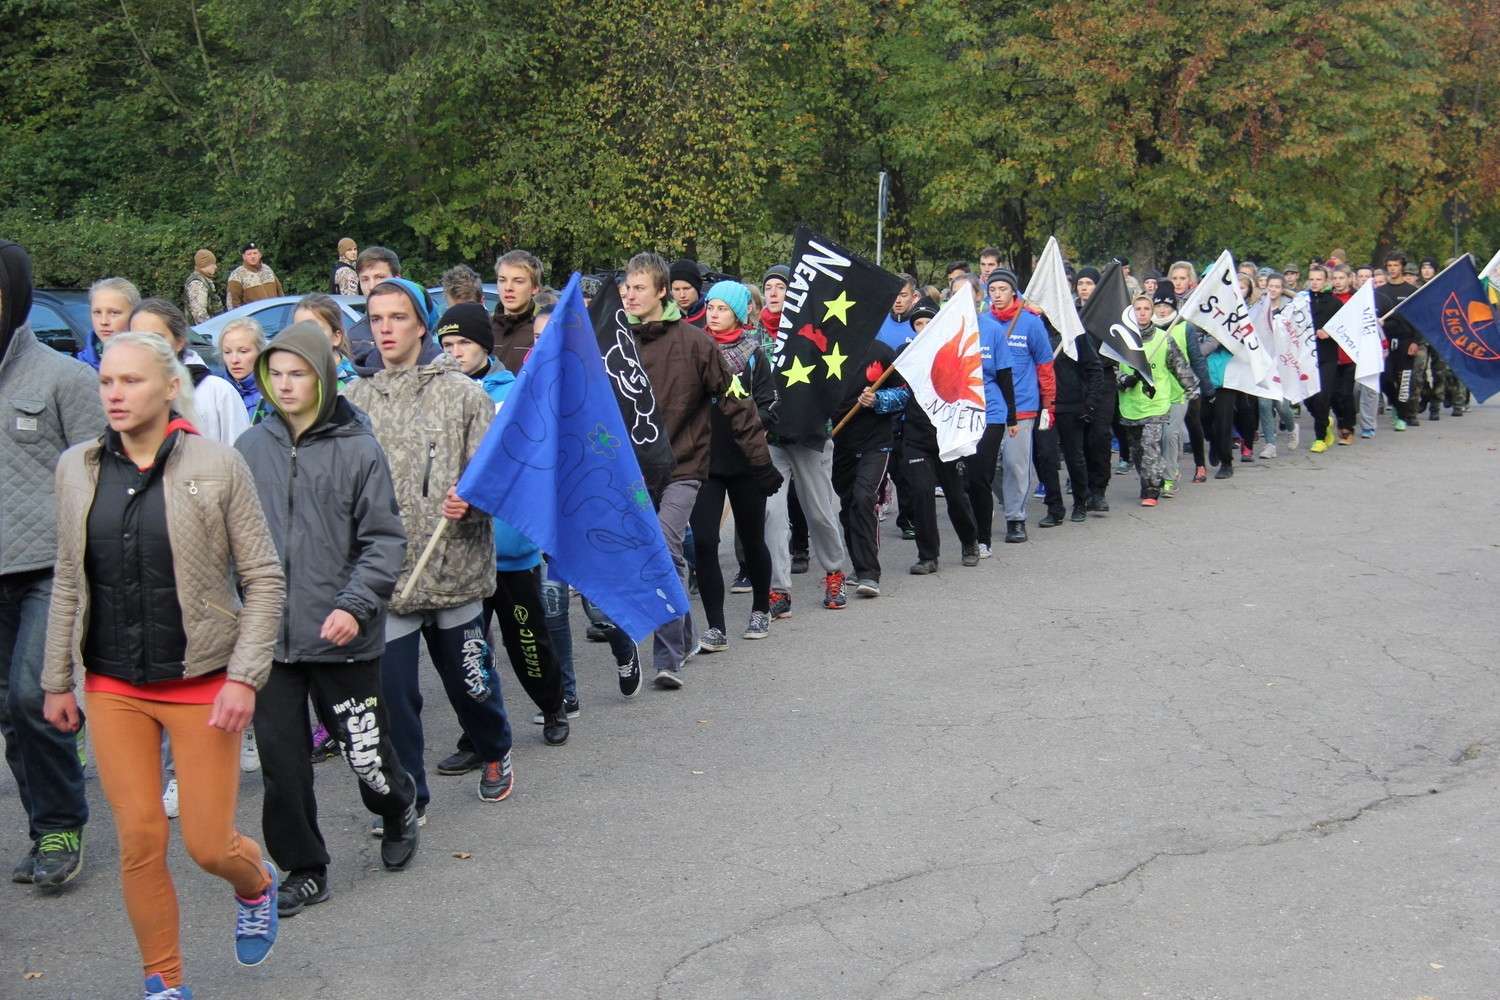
1148 389
1129 382
767 479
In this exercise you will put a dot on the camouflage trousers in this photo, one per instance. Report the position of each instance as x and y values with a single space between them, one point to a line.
1441 386
1145 444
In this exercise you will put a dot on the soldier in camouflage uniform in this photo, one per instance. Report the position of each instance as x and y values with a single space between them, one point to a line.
1444 388
202 300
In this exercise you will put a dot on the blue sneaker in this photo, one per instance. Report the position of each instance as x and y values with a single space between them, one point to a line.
158 990
255 925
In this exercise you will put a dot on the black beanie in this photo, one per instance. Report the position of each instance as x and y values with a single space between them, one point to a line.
1164 294
778 271
15 291
1092 273
469 320
1003 274
685 270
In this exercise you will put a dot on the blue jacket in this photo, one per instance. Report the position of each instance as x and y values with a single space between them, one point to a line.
895 333
513 550
991 335
1030 349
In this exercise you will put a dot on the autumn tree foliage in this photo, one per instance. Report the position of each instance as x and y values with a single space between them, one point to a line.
134 131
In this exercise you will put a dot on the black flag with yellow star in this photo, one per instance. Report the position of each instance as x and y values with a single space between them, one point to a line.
835 303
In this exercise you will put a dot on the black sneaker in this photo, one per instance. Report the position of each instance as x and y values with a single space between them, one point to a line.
693 582
781 604
326 747
571 707
741 585
1053 519
304 888
24 873
399 842
1098 504
461 762
924 567
377 828
555 728
496 779
908 533
1015 531
1080 513
630 673
971 555
59 858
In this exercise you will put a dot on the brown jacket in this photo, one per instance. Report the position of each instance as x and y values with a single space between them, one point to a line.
688 375
515 336
215 521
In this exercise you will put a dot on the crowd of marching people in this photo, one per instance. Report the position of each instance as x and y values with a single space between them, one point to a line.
192 556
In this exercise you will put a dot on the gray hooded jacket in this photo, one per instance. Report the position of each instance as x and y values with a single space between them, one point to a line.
332 511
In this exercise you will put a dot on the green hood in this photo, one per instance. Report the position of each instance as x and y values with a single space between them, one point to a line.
670 314
308 341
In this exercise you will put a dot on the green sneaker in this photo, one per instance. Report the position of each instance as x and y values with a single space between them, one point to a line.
59 858
1168 488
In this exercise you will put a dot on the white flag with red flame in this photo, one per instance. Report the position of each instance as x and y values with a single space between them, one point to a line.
943 367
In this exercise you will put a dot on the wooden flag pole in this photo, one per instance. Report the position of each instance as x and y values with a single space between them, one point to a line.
432 544
856 407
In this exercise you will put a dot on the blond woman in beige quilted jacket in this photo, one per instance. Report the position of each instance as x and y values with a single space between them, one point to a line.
159 531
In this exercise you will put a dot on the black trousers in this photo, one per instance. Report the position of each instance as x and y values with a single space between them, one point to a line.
797 518
347 698
1233 410
1045 456
1072 438
1194 424
896 469
1345 401
856 480
1399 381
1101 466
517 606
926 474
979 473
749 506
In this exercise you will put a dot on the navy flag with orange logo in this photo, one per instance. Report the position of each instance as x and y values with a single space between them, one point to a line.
1455 316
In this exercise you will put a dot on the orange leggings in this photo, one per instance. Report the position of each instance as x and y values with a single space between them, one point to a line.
127 744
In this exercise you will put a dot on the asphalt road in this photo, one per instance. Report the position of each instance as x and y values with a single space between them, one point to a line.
1243 745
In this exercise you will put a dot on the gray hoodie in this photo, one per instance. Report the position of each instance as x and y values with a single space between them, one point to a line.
331 508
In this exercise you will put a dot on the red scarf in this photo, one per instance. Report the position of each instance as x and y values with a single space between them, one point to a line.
1007 314
770 321
728 337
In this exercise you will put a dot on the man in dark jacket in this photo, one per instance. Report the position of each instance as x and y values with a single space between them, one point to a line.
51 402
327 493
686 287
1080 384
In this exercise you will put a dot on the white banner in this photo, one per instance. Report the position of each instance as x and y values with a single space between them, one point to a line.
1049 292
944 369
1218 308
1492 270
1241 372
1296 349
1356 328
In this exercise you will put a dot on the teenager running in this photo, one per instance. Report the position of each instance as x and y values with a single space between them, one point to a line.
159 534
326 490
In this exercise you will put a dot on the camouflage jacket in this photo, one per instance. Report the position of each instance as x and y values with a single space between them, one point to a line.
429 420
203 301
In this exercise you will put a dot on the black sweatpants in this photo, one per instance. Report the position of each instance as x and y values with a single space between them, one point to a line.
347 698
1194 424
1072 439
1101 465
856 480
896 469
979 474
749 506
926 473
1233 411
1045 456
517 606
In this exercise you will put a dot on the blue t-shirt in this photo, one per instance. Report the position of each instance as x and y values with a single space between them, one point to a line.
991 337
1029 347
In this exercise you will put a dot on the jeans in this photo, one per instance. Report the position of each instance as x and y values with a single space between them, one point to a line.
620 644
44 760
555 605
1270 409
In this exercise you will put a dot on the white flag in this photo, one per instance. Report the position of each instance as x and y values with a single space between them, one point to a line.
1356 328
1492 270
1218 308
1049 292
1296 349
945 371
1254 372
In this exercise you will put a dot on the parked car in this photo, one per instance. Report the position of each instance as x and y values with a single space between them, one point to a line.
274 315
58 326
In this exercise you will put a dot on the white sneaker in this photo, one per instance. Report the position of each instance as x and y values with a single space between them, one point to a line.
1296 438
1269 451
169 799
249 756
985 551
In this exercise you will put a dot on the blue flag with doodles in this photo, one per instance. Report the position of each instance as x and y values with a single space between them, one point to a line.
558 466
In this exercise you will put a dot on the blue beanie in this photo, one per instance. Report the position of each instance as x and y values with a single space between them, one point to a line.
422 302
734 295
